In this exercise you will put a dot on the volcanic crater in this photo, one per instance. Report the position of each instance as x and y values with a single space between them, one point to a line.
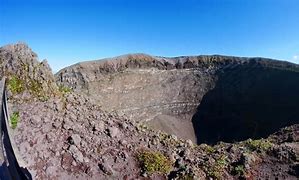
203 98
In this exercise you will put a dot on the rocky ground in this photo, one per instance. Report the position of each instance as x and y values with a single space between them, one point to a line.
65 135
72 138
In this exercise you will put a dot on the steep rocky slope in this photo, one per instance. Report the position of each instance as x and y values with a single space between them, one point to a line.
28 77
70 136
208 98
80 141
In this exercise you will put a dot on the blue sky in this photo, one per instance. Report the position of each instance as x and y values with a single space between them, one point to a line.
68 31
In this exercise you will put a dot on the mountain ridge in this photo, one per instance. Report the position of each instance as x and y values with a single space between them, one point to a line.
175 59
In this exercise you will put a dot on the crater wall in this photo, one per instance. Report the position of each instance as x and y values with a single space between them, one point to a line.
202 98
248 101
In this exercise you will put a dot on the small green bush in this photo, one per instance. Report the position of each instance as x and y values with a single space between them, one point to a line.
261 144
216 170
209 149
154 162
64 89
15 85
44 98
14 119
239 170
35 88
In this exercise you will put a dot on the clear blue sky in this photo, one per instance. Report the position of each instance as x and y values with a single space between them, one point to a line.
68 31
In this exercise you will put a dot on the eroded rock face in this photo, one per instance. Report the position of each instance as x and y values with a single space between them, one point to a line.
208 98
162 92
26 76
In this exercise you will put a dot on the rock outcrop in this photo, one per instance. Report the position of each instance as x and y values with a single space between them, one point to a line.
27 77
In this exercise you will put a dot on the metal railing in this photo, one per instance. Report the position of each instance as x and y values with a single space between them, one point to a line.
9 167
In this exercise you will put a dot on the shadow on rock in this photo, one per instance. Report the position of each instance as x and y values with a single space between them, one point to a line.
248 101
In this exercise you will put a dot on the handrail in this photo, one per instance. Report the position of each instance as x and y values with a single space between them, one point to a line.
9 168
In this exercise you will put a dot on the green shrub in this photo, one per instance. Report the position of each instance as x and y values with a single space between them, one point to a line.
14 119
261 144
216 170
35 88
154 162
15 85
239 170
209 149
64 89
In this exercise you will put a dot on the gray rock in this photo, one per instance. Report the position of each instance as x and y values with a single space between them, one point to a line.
248 160
123 142
144 174
187 152
58 105
50 137
68 124
174 137
100 126
51 170
189 143
113 132
35 119
105 168
76 153
76 139
123 125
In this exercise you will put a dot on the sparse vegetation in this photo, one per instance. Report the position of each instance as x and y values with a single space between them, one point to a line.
14 119
154 162
35 88
216 170
168 140
260 145
239 170
44 98
25 67
64 89
209 149
18 85
15 85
